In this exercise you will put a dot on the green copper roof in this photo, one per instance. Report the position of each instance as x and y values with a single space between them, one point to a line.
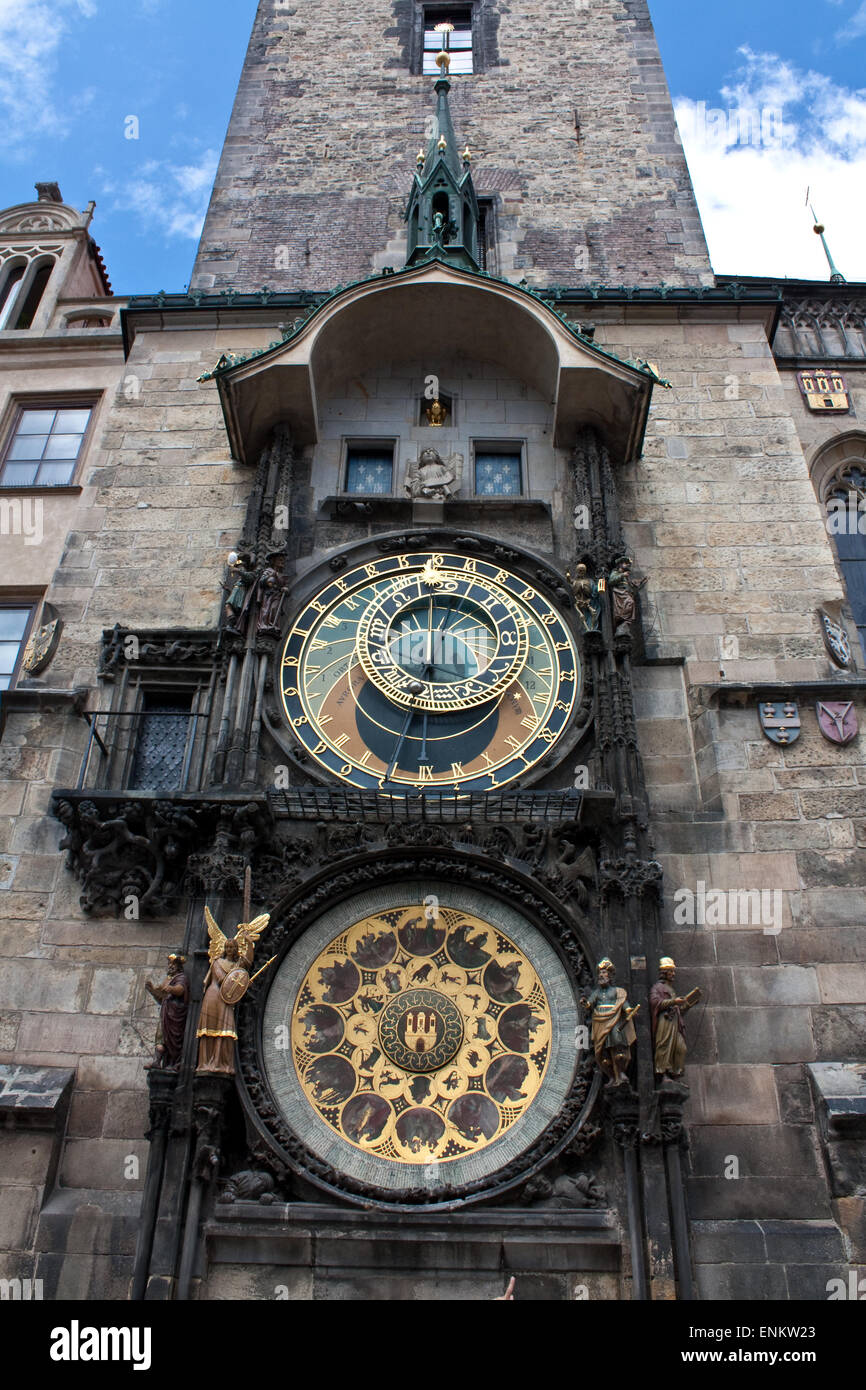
548 297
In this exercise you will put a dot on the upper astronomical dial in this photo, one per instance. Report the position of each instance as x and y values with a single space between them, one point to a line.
434 671
442 639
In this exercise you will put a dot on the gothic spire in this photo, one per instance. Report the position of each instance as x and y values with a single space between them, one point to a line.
442 211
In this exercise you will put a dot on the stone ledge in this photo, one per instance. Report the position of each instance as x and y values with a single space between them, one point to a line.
318 1236
34 1097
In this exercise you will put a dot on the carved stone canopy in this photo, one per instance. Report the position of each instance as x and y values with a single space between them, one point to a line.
425 313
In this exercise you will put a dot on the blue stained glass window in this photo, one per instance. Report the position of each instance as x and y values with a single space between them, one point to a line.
370 471
497 475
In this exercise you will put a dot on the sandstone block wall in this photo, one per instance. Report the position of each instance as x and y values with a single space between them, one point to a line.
569 119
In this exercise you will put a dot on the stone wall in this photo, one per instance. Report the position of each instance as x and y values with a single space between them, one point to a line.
569 120
724 521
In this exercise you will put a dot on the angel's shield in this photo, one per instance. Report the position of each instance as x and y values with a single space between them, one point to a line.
235 985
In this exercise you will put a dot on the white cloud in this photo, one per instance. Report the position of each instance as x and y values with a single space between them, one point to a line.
856 26
776 131
31 35
166 197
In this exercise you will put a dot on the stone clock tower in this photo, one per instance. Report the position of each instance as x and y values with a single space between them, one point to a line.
433 678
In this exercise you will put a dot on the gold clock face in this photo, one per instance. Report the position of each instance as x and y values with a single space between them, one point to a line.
429 671
421 1038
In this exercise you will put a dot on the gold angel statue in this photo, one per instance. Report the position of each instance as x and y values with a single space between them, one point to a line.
226 983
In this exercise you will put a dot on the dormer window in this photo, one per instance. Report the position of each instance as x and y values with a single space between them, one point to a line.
458 41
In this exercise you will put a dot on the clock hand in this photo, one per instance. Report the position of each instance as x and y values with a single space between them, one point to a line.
416 688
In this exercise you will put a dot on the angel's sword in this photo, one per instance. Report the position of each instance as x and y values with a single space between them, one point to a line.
264 967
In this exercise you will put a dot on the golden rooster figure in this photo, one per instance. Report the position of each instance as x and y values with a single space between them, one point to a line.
225 985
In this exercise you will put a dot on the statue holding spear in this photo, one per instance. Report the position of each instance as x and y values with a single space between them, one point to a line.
226 983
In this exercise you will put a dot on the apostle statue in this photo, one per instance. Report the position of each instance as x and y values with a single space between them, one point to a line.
613 1034
668 1030
433 478
272 596
624 590
586 599
172 995
226 983
240 591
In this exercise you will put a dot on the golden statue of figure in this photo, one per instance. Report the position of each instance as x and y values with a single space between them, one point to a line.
613 1034
669 1034
226 983
436 414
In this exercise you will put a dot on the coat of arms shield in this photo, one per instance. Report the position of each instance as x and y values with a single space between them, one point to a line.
780 720
835 640
837 720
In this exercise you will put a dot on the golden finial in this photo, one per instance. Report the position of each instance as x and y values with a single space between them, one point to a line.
420 157
466 155
443 143
443 62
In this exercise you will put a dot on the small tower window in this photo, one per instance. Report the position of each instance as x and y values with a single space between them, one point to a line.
487 236
8 293
459 41
34 295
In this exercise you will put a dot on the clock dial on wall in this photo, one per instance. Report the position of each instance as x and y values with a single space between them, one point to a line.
430 670
409 1044
408 1055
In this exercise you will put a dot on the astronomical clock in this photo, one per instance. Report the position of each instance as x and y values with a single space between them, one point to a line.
429 671
416 1039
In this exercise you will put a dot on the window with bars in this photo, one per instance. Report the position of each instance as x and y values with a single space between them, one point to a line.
45 445
498 470
370 469
14 622
458 42
163 742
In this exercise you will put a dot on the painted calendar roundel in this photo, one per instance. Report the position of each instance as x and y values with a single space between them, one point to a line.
408 1044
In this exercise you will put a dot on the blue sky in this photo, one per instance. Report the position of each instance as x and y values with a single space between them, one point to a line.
770 96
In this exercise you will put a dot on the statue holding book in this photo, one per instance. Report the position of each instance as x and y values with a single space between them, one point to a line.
668 1029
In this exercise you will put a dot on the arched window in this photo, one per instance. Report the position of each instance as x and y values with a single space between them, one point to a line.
839 474
9 292
33 293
